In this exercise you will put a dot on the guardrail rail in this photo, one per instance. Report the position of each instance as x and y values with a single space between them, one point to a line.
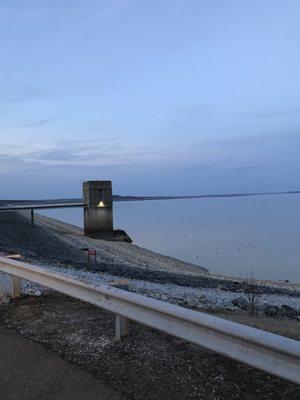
272 353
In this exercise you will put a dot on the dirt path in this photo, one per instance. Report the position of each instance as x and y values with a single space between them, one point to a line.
28 371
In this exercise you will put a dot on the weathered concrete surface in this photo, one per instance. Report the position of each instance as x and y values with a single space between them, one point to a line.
28 371
98 212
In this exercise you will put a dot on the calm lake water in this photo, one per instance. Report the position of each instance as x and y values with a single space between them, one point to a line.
248 236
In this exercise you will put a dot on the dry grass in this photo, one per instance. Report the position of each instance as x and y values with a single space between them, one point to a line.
281 326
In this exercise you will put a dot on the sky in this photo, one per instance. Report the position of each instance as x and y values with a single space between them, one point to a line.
162 97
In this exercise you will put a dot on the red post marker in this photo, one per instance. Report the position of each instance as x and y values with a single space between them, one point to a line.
92 252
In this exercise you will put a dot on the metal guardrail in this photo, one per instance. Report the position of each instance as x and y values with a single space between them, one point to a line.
41 206
32 207
272 353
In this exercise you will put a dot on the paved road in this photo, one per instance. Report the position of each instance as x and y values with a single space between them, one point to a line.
29 372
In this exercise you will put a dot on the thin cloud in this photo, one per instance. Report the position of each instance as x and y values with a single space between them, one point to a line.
77 154
108 12
248 140
245 168
201 166
40 122
19 92
32 14
270 113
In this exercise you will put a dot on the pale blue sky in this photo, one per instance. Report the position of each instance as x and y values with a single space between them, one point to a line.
162 97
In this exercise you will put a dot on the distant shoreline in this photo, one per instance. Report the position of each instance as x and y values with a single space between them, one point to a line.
149 198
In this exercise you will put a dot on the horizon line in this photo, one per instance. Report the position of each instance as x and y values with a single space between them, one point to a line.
117 197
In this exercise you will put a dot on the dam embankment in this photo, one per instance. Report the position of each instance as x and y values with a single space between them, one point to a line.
54 243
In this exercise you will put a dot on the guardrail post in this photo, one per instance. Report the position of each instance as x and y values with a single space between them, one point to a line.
122 326
15 286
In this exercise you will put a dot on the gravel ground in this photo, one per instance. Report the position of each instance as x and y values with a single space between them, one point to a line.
148 365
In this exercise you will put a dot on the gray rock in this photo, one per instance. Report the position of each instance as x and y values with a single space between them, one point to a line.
33 292
229 308
192 303
240 302
229 287
271 311
289 311
163 297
